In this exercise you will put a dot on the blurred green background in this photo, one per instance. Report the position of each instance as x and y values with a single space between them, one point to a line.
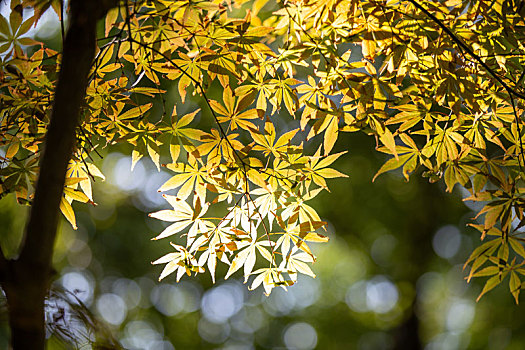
391 276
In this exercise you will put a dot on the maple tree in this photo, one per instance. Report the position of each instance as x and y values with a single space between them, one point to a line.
440 85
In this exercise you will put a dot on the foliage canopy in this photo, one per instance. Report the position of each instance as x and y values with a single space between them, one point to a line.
440 85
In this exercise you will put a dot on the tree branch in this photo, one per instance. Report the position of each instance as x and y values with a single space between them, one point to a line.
465 47
511 91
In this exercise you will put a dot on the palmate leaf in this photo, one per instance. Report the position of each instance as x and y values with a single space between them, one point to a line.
143 137
183 136
455 174
193 70
282 91
317 169
329 125
247 257
297 209
297 262
190 178
296 235
267 201
11 34
216 148
387 139
19 177
183 215
268 142
78 169
234 111
180 262
269 278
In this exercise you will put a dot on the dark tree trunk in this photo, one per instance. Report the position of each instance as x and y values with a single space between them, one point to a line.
407 335
26 280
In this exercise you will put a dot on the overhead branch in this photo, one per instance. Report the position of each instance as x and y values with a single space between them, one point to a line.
510 90
467 49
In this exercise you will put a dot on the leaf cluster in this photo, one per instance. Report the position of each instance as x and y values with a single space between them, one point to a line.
438 84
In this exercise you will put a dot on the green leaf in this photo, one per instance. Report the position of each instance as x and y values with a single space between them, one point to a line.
489 285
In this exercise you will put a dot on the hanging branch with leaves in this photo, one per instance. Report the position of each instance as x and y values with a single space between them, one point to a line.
438 84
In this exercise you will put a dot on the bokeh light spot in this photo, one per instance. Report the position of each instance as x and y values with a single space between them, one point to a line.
381 295
222 302
446 241
112 308
300 336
